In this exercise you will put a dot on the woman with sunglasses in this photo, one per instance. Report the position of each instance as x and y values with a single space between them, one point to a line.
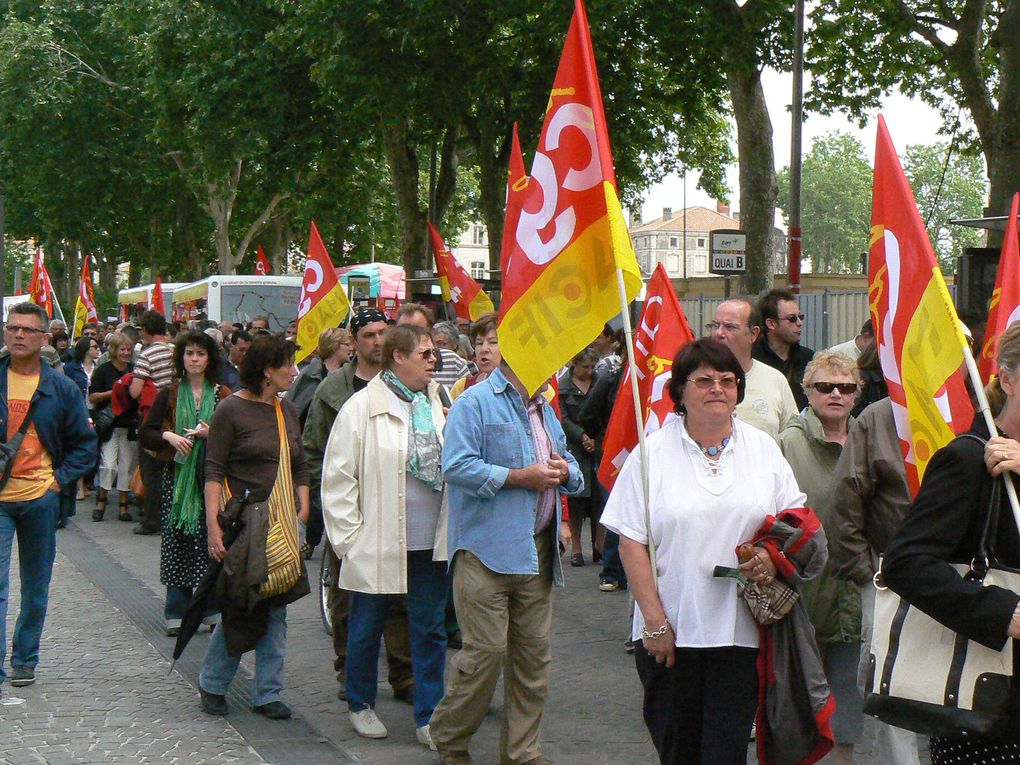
385 514
712 480
812 444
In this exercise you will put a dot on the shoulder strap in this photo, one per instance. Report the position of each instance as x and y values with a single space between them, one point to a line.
25 423
985 555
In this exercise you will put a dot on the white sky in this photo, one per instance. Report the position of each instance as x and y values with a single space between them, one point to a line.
909 122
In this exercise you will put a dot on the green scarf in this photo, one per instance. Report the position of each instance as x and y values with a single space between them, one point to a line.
187 511
424 452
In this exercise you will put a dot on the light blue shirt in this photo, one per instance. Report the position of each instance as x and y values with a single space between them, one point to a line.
487 434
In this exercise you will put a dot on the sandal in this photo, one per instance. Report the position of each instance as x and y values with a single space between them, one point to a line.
97 514
307 550
577 559
124 515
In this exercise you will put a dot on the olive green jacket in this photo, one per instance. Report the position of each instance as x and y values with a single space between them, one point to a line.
834 606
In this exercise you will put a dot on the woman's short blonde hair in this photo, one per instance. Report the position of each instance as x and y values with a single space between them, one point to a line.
115 341
1007 360
829 361
331 339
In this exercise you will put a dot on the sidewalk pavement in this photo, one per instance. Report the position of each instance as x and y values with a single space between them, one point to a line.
592 717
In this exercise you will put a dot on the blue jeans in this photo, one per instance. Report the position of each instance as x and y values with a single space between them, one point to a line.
427 588
179 598
219 667
35 523
612 566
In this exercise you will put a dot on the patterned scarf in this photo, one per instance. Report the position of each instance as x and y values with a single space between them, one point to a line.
187 510
424 451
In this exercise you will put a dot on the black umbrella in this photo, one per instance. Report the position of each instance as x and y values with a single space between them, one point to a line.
231 521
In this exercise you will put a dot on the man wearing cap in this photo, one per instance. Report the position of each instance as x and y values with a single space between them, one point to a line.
367 326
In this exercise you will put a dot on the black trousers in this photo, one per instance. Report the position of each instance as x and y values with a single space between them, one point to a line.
700 711
152 477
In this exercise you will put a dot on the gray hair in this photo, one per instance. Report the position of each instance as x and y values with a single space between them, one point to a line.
448 329
31 309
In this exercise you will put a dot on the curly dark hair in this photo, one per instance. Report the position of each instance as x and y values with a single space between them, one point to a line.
207 344
704 352
267 351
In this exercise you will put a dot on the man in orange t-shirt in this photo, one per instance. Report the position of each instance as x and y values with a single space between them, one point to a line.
59 446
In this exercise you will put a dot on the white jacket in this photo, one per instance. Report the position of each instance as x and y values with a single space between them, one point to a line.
364 491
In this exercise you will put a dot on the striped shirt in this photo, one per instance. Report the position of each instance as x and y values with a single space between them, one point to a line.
156 363
546 507
454 368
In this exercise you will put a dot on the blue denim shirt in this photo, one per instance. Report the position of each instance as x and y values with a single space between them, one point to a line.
61 421
487 434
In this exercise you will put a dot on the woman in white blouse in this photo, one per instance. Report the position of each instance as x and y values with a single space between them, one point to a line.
711 482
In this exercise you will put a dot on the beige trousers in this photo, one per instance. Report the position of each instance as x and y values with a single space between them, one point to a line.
505 621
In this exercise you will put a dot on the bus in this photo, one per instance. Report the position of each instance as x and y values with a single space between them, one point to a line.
134 301
239 299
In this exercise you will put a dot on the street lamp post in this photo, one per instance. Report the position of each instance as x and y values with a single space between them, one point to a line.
796 116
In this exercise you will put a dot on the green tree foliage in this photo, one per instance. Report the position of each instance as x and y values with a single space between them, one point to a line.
946 192
835 203
960 56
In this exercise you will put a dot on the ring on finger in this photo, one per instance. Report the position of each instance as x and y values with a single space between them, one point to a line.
1003 455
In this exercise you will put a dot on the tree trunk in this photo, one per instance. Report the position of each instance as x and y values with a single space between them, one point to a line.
492 175
1002 150
758 186
404 174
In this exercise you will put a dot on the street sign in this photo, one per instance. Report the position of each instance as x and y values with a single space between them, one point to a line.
728 252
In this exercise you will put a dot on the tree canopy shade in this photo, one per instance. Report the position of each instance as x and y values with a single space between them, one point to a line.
960 56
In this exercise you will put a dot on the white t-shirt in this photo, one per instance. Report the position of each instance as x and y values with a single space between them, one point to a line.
849 348
698 520
768 401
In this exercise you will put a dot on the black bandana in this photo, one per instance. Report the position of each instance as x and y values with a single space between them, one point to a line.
365 316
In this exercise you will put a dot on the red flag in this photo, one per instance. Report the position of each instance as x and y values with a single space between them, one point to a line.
560 273
156 298
516 183
1005 305
468 298
262 267
323 303
85 307
661 333
40 289
920 342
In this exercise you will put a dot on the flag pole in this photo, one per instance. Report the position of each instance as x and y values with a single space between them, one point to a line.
986 411
628 333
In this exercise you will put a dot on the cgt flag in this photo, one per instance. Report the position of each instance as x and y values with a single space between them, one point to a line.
156 298
468 298
1005 306
920 342
661 333
559 273
262 267
85 307
323 303
516 185
40 289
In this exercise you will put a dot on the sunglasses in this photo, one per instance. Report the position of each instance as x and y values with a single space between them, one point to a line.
429 353
846 389
705 382
793 318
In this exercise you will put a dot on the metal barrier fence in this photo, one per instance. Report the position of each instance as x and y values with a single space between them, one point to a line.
830 317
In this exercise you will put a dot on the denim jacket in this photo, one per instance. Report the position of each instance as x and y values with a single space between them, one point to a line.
487 434
61 420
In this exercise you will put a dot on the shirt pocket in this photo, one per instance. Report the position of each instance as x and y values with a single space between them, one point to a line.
502 445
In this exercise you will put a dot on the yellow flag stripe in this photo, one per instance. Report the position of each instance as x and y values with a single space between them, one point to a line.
328 312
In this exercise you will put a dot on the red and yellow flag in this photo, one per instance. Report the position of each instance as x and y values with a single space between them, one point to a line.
1005 305
40 289
156 298
323 302
559 274
262 267
516 185
661 333
468 298
85 307
920 342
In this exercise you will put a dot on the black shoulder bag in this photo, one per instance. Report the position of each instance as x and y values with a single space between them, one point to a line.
8 449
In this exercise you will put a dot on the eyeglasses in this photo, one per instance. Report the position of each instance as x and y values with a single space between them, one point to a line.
793 318
712 326
429 353
15 329
705 382
847 389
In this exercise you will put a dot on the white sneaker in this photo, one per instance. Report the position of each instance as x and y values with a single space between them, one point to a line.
367 724
424 734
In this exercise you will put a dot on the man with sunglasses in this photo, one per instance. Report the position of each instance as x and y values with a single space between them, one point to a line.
779 346
58 447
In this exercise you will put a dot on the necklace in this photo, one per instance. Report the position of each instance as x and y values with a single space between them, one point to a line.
713 451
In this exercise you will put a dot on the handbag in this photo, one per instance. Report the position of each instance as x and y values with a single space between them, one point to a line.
9 448
923 676
137 487
102 421
283 553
